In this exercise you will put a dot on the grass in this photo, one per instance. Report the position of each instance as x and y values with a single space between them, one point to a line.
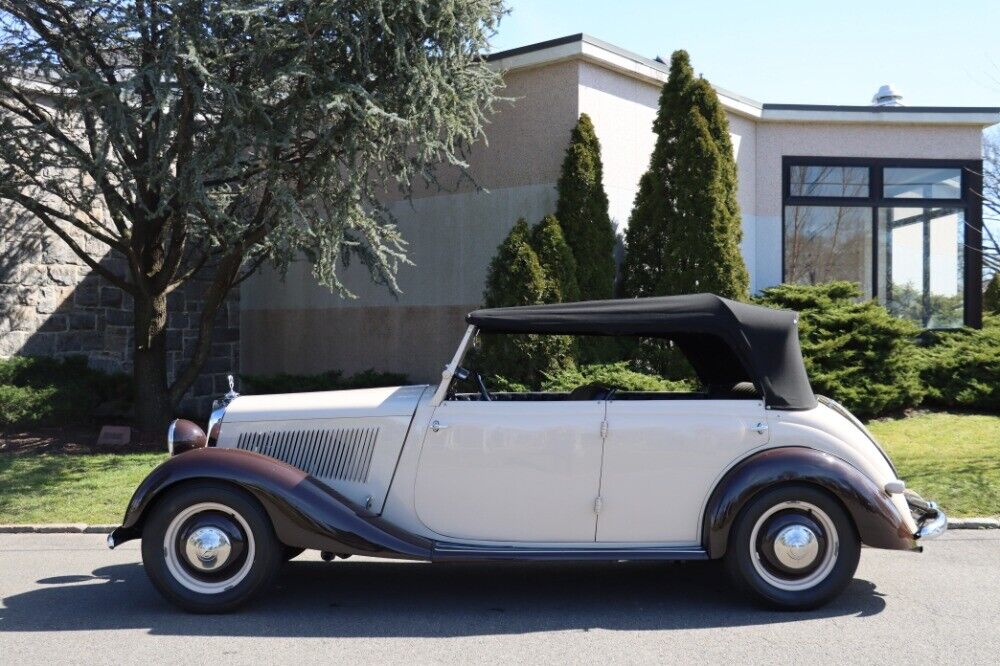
951 458
59 488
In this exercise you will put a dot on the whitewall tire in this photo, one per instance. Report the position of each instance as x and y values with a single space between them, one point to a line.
209 547
793 547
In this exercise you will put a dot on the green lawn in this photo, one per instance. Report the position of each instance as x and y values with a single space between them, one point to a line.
59 488
951 458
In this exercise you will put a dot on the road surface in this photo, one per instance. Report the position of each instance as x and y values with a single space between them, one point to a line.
67 599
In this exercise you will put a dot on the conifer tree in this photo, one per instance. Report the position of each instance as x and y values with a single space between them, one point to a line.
991 297
556 259
582 211
516 277
685 228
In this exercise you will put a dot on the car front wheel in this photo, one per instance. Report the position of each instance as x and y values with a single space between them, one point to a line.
794 548
209 547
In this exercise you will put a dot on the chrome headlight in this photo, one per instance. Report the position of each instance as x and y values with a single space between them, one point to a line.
183 436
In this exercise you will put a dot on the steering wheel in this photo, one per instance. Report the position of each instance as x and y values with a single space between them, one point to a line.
463 374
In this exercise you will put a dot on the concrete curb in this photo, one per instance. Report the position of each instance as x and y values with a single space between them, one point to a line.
80 528
57 528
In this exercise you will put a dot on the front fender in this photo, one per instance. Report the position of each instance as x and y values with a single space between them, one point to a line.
878 522
304 512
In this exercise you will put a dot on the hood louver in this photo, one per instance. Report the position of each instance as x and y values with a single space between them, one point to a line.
342 454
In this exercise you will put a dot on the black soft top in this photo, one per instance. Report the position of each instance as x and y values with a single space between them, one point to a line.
725 341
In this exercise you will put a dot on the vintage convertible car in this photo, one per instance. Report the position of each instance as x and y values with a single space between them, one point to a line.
782 485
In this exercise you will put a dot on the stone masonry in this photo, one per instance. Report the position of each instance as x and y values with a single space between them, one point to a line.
52 304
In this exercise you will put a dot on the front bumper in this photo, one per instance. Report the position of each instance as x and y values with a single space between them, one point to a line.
931 520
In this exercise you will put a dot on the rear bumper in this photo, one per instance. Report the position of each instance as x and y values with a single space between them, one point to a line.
931 520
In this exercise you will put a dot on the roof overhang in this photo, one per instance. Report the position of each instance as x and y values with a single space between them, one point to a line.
585 48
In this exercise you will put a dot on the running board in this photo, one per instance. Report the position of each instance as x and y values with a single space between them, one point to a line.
455 552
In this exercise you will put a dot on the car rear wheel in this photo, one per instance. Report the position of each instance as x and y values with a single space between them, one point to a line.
209 547
794 548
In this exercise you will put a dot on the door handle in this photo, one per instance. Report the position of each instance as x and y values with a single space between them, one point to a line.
437 425
760 427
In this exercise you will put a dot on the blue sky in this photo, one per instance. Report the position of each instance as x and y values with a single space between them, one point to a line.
935 53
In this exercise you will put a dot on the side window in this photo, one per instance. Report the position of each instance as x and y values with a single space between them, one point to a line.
556 367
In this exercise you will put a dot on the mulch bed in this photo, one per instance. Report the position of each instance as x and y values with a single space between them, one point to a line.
71 440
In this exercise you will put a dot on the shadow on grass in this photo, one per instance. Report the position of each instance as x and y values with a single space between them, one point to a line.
402 599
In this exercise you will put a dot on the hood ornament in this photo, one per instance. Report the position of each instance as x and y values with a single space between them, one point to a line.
232 395
228 397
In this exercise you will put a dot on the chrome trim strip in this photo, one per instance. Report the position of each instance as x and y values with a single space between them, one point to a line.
170 436
459 552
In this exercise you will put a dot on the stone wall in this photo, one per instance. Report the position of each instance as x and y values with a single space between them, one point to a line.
53 304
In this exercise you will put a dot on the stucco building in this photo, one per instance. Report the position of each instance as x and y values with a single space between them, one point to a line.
884 195
881 195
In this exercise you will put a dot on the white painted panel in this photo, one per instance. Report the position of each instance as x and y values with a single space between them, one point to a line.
511 471
661 459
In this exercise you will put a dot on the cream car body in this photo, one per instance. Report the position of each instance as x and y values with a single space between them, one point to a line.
427 472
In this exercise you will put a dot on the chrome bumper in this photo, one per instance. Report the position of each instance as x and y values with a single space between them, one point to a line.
931 520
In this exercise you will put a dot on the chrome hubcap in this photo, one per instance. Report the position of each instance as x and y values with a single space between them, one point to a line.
796 546
207 549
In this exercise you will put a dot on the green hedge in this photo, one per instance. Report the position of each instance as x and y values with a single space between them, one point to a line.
855 351
618 375
961 369
52 392
326 381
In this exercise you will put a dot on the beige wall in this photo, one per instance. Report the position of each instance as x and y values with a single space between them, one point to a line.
298 326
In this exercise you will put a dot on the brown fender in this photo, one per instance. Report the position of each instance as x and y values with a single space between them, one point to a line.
878 522
305 513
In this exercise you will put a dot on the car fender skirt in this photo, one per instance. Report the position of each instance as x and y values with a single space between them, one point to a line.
305 513
878 521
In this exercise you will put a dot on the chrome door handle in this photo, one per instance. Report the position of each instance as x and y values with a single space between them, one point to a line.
437 425
760 427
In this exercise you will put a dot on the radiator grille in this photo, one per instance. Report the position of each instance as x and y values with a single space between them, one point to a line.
343 454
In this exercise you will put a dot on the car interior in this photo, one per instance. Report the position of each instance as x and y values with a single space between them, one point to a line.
718 374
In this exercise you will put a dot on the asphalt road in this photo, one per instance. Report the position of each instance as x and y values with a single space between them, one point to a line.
66 598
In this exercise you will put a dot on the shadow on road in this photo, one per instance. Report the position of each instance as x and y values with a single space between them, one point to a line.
401 599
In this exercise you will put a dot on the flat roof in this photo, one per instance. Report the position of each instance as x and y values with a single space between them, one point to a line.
585 47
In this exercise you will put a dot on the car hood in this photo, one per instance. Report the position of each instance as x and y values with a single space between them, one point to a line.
388 401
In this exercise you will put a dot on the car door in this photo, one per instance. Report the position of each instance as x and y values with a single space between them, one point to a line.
661 460
511 470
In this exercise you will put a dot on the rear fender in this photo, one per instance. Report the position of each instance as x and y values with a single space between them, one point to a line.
304 512
878 522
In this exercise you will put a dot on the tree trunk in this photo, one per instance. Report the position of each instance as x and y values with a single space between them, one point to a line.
153 410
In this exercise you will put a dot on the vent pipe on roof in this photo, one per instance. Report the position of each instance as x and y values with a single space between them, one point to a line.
887 96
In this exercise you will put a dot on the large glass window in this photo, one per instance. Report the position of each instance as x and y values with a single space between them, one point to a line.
922 183
824 243
921 265
907 232
828 181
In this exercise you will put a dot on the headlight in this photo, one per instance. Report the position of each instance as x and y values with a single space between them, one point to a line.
184 435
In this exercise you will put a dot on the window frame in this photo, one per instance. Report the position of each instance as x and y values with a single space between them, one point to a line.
969 202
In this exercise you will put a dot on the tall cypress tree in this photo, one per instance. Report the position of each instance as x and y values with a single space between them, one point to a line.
685 228
582 211
556 259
